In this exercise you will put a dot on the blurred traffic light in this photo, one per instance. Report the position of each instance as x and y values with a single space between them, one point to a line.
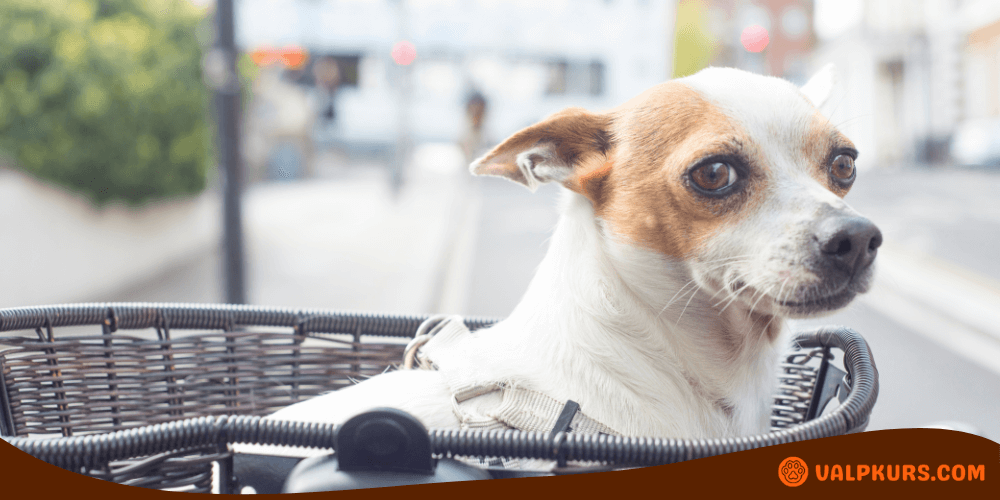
290 56
404 52
754 38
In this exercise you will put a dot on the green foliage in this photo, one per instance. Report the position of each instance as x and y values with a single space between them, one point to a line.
105 96
694 47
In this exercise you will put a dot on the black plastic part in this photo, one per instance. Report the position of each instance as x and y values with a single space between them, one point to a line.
384 439
227 480
558 434
263 473
815 405
565 417
830 383
324 474
856 407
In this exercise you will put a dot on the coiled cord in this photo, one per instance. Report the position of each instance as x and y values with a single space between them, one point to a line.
85 452
89 452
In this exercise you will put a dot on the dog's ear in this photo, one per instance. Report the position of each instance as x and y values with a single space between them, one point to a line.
820 86
559 148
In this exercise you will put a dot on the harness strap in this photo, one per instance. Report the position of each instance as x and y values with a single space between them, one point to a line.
518 408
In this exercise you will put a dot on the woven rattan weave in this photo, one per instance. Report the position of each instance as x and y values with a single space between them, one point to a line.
77 370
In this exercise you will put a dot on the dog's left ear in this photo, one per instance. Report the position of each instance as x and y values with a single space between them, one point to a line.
568 147
820 86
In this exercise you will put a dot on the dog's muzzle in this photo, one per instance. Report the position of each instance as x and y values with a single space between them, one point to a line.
847 244
843 250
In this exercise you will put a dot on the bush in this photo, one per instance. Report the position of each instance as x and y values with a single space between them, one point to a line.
105 96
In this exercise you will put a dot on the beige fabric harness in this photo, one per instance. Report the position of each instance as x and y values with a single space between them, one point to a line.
440 348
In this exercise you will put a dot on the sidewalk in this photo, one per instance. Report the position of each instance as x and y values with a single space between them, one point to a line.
339 242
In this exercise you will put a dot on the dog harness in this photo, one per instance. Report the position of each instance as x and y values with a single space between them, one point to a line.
438 346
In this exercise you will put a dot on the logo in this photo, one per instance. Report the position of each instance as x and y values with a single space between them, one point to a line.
793 471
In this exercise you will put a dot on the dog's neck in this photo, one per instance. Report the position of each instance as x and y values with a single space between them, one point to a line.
613 314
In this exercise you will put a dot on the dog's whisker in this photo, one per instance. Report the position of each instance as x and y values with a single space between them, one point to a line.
727 287
747 283
756 291
730 302
720 263
852 119
690 294
754 306
671 301
727 259
781 290
735 294
733 297
718 266
681 315
762 295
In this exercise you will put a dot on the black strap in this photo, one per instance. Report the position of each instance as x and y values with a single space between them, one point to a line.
565 417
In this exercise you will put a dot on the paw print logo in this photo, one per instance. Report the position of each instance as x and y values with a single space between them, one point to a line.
793 471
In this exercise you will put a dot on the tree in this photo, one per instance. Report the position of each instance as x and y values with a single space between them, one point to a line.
694 47
105 96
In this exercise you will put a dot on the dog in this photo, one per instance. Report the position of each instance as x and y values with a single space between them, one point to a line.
696 218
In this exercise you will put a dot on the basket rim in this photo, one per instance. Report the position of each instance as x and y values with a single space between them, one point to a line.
851 416
140 315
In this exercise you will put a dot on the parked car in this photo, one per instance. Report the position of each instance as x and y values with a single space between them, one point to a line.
977 142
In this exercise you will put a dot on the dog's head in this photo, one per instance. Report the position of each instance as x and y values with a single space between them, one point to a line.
736 175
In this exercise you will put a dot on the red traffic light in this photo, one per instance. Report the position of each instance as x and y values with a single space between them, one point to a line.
404 52
754 38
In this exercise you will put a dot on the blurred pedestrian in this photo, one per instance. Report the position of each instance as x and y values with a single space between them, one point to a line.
472 141
326 73
281 119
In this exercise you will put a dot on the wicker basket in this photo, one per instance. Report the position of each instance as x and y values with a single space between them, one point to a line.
157 363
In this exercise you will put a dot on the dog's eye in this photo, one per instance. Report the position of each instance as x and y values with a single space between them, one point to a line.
843 167
714 176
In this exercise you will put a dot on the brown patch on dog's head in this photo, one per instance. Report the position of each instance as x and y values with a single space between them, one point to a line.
824 142
633 164
649 198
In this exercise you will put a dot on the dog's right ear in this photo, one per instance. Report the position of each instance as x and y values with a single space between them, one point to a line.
555 149
819 88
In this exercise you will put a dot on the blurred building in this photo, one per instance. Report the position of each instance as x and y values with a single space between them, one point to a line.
904 85
979 23
898 65
919 80
527 58
790 36
977 138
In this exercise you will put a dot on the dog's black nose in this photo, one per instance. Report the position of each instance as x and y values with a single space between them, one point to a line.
851 242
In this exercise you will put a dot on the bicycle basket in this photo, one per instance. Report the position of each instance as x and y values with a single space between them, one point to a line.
188 380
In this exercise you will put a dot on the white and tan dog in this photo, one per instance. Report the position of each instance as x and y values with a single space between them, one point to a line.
698 217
